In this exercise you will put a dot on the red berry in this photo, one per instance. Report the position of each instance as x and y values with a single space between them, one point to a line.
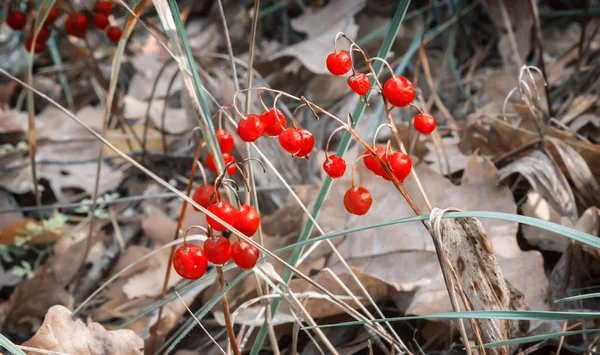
225 140
203 194
76 24
114 34
244 254
251 128
16 20
359 83
334 166
339 63
43 35
274 122
190 262
40 46
372 164
227 158
424 123
223 210
291 140
358 200
52 16
103 7
217 250
100 21
247 220
308 142
400 164
399 91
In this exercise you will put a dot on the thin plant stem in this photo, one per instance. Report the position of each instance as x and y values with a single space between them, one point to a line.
538 39
182 212
227 313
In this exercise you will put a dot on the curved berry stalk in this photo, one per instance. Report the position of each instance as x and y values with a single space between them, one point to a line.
357 200
334 166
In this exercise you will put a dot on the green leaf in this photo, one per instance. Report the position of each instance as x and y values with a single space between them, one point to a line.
536 338
10 346
513 315
578 297
343 147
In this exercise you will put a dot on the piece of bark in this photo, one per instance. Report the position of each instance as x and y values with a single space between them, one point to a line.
471 255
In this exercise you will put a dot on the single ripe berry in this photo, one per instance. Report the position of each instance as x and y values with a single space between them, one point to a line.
103 7
76 24
227 158
190 262
274 122
372 164
244 254
43 35
334 166
52 16
400 164
358 200
217 250
291 140
113 34
223 210
100 21
359 83
40 46
308 142
399 91
339 63
251 128
203 194
225 140
16 20
424 123
247 220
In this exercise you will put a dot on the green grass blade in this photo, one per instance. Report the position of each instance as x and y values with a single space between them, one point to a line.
343 146
536 338
171 20
512 315
578 297
61 74
572 233
10 346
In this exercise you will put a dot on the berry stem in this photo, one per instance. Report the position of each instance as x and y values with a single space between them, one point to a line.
184 204
227 313
262 102
329 140
194 227
416 108
202 171
377 132
294 114
385 62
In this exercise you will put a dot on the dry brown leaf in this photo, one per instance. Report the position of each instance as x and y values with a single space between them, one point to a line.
60 333
403 255
127 143
495 137
321 26
578 106
33 298
132 254
161 228
586 186
176 121
536 206
546 179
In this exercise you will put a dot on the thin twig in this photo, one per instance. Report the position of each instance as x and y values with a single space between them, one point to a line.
227 313
538 40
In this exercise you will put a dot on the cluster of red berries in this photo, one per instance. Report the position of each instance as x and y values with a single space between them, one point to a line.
298 142
191 261
399 92
77 23
225 141
17 21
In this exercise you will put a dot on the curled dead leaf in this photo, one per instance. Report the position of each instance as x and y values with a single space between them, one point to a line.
62 334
